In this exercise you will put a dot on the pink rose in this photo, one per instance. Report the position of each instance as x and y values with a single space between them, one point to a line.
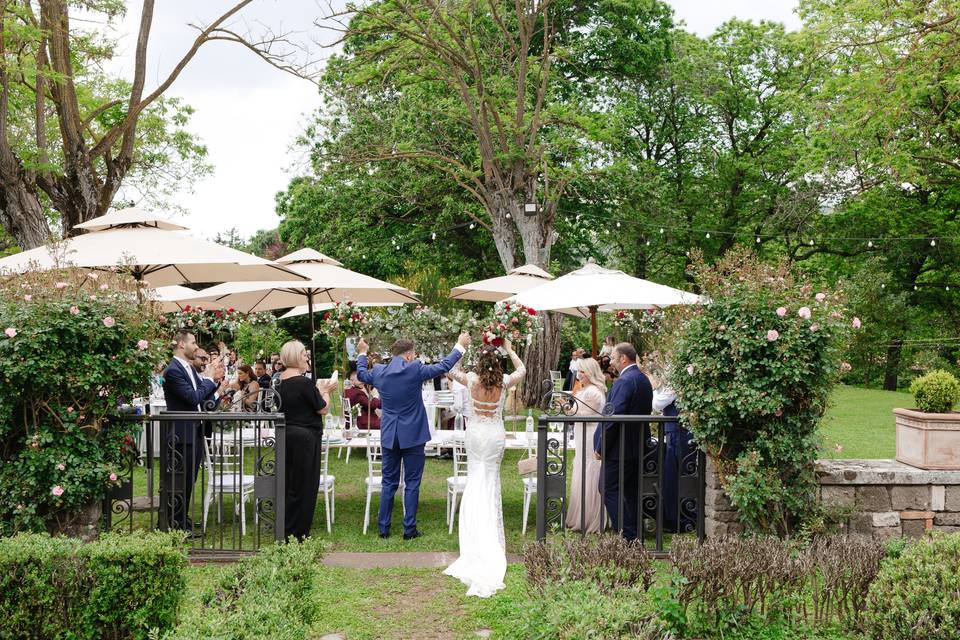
690 369
109 321
104 287
821 297
804 313
11 332
781 311
143 345
93 297
113 477
75 310
836 314
814 327
856 323
57 491
61 285
772 335
62 467
845 366
27 298
92 275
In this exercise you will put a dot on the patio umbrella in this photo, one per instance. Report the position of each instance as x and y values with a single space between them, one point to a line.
496 289
327 281
303 310
149 248
593 288
169 298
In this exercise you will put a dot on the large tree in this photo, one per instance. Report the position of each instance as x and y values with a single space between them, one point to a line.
70 136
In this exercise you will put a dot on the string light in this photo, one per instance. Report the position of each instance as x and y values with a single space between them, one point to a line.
433 236
870 244
661 230
811 242
708 235
933 243
618 224
758 239
508 215
472 225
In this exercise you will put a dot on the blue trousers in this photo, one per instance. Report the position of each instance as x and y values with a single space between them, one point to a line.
612 495
413 459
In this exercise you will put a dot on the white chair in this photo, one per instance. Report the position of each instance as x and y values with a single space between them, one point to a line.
529 487
328 486
557 380
458 481
374 479
224 465
346 420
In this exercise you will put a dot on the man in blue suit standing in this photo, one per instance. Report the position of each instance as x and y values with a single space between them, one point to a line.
632 394
403 424
185 390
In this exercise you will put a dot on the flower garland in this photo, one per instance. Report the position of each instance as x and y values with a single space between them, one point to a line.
643 322
512 321
345 319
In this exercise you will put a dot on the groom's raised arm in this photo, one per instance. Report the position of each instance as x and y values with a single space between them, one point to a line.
364 375
431 371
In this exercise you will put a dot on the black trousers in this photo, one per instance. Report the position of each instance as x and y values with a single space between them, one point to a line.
611 490
179 475
302 479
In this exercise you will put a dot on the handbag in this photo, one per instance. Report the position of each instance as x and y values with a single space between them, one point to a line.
527 466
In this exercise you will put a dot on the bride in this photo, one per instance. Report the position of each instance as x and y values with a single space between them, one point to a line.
483 554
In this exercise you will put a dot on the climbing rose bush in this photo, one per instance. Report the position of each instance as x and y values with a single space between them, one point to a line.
75 346
753 370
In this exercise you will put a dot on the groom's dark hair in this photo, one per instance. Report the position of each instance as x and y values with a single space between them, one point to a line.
401 347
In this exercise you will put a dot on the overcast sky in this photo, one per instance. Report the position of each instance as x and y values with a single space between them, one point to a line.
248 114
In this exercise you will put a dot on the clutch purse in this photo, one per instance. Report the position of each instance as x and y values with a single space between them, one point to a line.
527 466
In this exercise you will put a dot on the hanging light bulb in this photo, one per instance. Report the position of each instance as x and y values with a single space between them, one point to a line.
758 239
883 286
933 243
811 242
648 243
708 235
433 236
350 248
661 230
915 287
508 215
364 256
472 225
870 244
948 287
618 224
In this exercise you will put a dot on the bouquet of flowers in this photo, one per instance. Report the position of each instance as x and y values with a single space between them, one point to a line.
345 319
512 321
643 322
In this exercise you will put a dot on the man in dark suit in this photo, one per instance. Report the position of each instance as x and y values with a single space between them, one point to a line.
631 394
185 390
403 426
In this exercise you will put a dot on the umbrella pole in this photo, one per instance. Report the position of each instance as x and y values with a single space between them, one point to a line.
313 339
593 328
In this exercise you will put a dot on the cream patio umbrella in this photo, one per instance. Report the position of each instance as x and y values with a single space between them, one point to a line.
327 282
150 249
303 309
593 288
496 289
169 298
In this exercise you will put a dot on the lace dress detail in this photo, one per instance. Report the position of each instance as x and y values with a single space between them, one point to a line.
483 558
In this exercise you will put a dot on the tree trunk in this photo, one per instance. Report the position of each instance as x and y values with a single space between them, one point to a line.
540 358
20 210
892 365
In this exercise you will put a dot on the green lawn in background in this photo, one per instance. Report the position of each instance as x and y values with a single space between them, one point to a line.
860 421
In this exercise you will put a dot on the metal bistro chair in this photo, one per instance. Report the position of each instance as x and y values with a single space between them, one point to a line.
458 481
328 485
224 465
374 479
557 380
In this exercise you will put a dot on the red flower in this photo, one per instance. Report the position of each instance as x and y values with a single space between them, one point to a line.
230 310
531 312
219 314
326 316
506 307
621 314
186 308
349 303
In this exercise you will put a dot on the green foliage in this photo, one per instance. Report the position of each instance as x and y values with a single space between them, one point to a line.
75 348
936 392
753 370
257 337
122 586
915 593
434 333
271 595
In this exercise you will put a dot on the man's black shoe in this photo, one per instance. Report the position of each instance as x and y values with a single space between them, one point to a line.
384 535
413 534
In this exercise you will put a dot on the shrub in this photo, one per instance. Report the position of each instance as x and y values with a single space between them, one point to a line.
270 595
916 592
936 392
581 609
73 348
607 561
753 370
122 586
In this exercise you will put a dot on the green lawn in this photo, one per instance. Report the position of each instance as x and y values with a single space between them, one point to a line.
859 423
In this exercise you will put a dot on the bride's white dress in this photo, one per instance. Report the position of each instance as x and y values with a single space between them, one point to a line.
483 556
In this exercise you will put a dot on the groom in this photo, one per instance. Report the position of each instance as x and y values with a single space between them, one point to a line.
403 424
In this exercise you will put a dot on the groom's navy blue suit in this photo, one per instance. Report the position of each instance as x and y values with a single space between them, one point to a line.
403 427
631 395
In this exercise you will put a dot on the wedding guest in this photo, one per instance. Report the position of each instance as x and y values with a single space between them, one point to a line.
246 389
200 360
608 344
585 511
679 445
631 394
573 368
185 390
260 370
361 395
303 404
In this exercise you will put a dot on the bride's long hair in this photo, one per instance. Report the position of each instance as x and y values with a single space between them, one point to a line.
489 369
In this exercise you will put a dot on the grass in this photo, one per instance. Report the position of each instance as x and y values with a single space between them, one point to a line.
859 423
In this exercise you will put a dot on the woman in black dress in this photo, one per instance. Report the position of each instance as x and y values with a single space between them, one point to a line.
303 404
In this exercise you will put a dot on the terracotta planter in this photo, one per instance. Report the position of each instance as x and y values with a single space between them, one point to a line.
928 440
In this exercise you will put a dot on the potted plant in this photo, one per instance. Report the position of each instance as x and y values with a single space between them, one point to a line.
928 436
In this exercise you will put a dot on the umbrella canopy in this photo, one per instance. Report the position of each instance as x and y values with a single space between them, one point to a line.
302 310
149 248
169 298
594 288
496 289
327 281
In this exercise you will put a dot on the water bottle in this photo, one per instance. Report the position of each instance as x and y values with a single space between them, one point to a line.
529 424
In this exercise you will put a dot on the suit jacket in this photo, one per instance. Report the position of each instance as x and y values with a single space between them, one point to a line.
631 395
180 395
404 418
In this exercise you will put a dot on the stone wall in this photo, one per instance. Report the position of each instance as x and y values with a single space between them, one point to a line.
880 498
